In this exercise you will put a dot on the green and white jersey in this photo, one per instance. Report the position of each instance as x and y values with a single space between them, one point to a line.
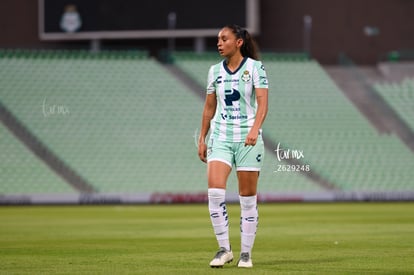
236 98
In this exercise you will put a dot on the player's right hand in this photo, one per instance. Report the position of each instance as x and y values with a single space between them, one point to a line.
202 151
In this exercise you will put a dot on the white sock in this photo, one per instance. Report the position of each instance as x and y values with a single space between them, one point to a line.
218 216
248 222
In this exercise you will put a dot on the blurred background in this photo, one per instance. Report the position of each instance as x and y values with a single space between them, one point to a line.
101 101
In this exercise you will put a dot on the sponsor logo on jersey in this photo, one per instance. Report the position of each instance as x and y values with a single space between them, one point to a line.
220 80
233 109
231 80
232 117
263 80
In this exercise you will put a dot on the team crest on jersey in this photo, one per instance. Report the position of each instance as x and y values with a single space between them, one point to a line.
246 76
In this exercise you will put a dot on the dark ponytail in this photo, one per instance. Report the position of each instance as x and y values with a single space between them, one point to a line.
249 47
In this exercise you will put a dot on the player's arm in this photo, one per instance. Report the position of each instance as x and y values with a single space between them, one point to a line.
208 113
262 106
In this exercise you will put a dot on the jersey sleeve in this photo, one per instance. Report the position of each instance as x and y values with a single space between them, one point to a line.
260 76
211 83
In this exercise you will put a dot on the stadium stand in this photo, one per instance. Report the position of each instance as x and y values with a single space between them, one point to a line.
343 146
121 121
126 125
400 96
23 173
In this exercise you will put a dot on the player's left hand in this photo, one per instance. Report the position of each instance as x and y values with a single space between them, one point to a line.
251 138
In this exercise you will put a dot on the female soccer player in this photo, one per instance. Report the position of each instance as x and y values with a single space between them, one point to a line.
234 111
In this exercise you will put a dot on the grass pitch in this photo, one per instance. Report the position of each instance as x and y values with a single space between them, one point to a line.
353 238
